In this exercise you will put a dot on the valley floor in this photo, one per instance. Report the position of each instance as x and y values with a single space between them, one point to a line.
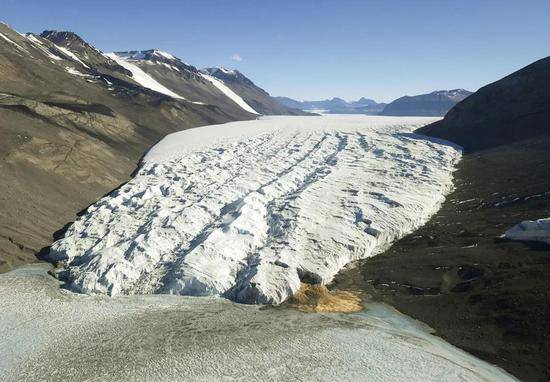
486 295
344 186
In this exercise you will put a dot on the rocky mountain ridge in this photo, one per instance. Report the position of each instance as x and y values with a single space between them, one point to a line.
511 109
436 103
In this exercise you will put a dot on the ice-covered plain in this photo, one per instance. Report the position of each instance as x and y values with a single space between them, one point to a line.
248 210
50 334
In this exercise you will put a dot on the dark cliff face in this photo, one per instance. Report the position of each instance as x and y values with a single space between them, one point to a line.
511 109
433 104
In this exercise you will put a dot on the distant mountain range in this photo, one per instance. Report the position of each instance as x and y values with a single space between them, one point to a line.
335 106
436 103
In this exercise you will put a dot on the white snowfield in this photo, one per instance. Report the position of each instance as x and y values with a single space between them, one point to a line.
141 77
229 93
530 230
246 210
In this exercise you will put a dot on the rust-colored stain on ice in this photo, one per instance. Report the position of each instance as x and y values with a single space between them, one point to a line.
318 298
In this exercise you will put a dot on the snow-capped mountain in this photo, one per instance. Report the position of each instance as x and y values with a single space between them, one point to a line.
335 105
159 57
74 47
167 74
163 72
436 103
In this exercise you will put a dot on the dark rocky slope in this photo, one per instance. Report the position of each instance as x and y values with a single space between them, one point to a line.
484 294
513 108
433 104
488 296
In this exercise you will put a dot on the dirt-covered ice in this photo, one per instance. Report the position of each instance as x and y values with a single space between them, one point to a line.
51 334
247 210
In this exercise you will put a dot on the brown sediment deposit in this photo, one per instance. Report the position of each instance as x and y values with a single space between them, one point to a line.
318 298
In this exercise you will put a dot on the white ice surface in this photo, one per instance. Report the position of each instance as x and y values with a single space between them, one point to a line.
229 93
48 334
141 77
530 230
247 209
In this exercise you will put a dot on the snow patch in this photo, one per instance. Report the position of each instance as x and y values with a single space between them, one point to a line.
13 43
169 66
70 54
34 39
141 77
225 71
245 210
229 93
530 230
75 72
165 54
43 48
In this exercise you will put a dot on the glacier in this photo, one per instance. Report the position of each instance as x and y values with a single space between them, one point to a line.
249 210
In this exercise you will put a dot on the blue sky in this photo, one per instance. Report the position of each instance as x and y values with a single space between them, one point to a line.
316 49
